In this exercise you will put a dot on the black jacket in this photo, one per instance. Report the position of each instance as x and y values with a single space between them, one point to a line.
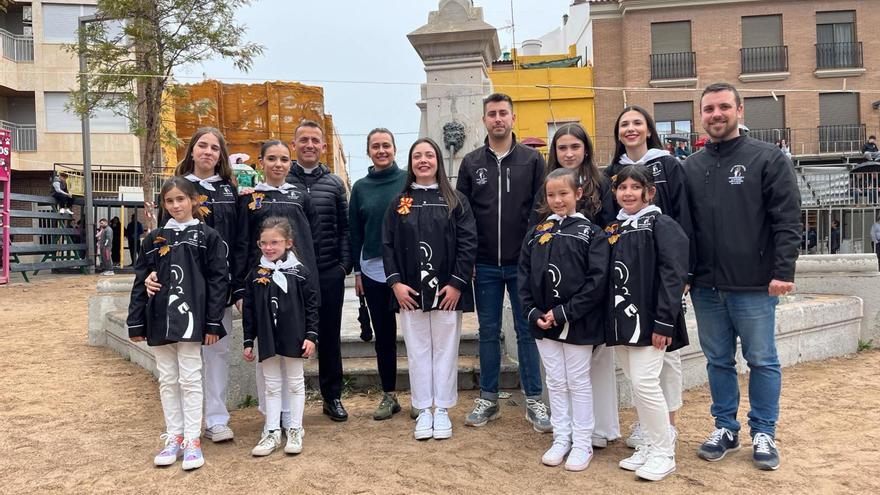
745 207
563 267
328 196
427 249
220 212
191 266
671 196
502 196
649 260
293 204
280 321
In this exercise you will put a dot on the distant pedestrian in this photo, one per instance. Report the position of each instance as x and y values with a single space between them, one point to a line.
104 239
62 196
834 241
870 149
116 253
133 232
875 237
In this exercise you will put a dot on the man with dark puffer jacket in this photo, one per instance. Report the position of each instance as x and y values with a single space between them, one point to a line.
333 255
745 207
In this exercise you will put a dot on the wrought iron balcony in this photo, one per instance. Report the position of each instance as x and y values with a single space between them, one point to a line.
839 55
673 65
763 59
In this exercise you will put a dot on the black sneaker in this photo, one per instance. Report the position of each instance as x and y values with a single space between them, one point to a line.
720 442
335 410
764 453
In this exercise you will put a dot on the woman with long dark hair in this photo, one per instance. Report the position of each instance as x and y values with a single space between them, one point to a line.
639 144
369 201
430 247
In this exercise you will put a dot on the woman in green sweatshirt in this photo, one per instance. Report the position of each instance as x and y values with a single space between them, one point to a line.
370 197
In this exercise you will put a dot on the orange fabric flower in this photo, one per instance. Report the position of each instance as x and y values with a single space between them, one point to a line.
256 201
162 243
405 205
204 209
544 239
613 233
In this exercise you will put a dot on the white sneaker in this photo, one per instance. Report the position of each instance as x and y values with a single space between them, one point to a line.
657 467
442 424
636 460
171 450
219 433
268 443
424 425
294 440
108 273
637 437
556 453
578 459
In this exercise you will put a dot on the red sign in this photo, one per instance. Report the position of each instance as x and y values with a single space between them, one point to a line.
5 176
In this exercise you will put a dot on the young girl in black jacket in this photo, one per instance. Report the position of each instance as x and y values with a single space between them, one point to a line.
649 271
280 313
189 260
639 144
430 246
563 272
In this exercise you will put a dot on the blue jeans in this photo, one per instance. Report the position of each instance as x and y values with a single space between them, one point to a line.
722 316
489 298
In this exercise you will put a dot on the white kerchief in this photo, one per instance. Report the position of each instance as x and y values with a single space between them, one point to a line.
650 155
424 188
276 267
206 183
634 218
175 225
262 186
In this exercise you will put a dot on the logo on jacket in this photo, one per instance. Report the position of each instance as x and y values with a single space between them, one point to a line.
655 169
226 190
737 174
482 177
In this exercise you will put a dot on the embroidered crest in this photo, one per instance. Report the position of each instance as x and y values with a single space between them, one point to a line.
204 209
482 177
161 243
737 174
256 201
405 205
613 233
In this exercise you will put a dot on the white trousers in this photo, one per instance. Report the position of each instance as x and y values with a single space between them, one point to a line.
261 388
603 376
432 354
567 371
216 376
642 365
180 387
284 373
670 380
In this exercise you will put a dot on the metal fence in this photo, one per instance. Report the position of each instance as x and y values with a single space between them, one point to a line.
673 65
763 59
839 55
108 182
24 136
17 47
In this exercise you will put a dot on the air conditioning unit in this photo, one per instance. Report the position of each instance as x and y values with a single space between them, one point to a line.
27 13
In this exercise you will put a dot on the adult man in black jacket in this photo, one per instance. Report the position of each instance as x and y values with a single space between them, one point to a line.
333 255
745 207
501 180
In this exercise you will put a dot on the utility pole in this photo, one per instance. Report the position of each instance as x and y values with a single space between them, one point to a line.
87 143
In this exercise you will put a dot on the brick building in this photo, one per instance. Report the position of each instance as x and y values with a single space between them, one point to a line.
809 70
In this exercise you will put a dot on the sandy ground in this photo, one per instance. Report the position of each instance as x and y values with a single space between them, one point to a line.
77 419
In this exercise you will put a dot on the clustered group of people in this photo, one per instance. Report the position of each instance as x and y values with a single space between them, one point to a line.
595 265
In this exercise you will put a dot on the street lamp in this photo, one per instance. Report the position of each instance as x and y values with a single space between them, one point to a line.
87 141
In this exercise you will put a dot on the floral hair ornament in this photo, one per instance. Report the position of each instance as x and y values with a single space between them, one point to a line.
405 205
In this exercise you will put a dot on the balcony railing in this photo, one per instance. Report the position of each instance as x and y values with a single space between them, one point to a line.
838 55
17 47
847 138
673 65
773 135
24 136
764 59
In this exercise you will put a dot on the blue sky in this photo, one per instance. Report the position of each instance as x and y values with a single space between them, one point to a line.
354 49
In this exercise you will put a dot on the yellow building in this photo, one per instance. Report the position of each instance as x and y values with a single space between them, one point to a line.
548 91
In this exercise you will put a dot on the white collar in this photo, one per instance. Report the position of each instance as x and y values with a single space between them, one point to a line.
278 266
175 225
650 155
308 170
424 188
262 186
560 219
206 183
634 218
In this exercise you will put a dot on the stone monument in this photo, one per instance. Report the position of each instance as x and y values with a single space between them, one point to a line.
457 47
